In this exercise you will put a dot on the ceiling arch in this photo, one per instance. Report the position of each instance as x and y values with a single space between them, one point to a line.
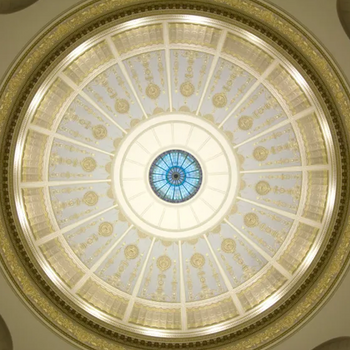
5 336
341 343
343 8
11 6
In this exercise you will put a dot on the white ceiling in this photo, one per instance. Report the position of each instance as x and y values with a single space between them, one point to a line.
17 29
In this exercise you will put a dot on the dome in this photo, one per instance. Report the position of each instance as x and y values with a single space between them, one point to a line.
175 174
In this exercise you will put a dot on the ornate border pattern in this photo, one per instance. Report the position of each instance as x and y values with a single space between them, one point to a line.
84 21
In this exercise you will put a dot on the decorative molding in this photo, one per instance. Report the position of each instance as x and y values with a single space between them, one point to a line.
292 42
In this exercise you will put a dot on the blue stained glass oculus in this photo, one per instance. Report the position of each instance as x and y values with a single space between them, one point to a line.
175 176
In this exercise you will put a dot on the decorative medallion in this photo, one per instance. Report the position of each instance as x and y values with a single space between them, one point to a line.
263 188
163 263
141 234
108 167
134 122
241 158
216 229
251 220
234 209
192 241
197 260
209 117
100 132
153 91
260 153
131 251
245 122
110 193
122 106
105 229
228 245
167 243
220 100
90 198
88 164
116 142
242 185
187 89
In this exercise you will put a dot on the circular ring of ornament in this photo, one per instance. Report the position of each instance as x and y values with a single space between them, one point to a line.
208 158
88 238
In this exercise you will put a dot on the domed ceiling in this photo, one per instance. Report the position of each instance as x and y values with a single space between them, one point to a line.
175 175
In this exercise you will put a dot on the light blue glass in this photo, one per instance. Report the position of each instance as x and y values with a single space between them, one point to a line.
175 176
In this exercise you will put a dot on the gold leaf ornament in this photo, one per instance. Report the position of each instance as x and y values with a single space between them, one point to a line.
220 100
187 89
153 91
262 188
88 164
260 153
251 220
163 263
131 251
105 229
245 123
90 198
228 245
99 132
197 260
122 106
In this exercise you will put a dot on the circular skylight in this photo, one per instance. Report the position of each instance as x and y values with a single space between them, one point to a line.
175 176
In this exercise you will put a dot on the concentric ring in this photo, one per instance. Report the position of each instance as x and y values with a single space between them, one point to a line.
212 155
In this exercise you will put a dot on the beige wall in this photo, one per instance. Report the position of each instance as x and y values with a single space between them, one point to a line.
319 17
